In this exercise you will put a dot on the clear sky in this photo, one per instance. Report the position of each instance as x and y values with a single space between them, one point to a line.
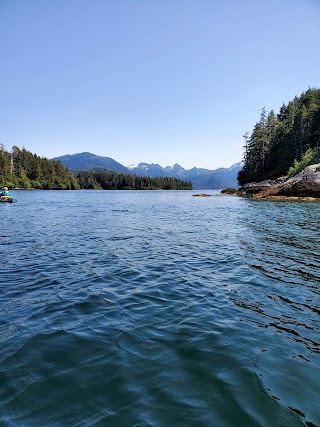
156 81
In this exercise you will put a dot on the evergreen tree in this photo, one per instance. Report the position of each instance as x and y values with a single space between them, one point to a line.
22 169
277 142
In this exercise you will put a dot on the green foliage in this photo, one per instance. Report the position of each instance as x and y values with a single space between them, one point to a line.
277 141
108 180
310 157
22 169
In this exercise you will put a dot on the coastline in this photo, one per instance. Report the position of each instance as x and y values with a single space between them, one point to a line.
304 186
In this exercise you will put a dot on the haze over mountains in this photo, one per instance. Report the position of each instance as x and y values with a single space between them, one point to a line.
199 177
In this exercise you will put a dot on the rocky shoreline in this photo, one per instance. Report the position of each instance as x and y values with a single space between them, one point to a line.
303 186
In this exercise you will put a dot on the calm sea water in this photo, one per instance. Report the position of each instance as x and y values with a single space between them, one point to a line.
129 308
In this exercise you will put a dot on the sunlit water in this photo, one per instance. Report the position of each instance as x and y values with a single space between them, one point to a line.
130 308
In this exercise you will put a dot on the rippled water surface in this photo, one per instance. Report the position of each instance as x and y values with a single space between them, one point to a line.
130 308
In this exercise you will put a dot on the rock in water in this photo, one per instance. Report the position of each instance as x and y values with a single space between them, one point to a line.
229 191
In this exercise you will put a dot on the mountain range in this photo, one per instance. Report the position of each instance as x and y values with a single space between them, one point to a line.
199 177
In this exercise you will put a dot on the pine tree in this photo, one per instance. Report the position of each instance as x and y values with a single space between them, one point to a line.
278 141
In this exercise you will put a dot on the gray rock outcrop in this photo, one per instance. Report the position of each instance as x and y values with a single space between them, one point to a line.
306 184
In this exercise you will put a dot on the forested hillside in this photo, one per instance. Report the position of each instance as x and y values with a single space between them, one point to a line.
88 161
108 180
22 169
285 142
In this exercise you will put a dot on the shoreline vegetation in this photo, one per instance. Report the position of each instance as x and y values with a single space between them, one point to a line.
281 161
282 154
22 170
283 144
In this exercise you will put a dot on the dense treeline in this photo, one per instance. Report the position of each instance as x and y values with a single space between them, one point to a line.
22 169
108 180
282 143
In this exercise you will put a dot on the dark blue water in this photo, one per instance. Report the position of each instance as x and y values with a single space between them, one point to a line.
158 309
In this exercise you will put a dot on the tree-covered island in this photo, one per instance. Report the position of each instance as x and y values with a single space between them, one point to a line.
22 169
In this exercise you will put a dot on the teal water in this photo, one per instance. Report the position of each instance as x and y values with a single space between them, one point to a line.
158 309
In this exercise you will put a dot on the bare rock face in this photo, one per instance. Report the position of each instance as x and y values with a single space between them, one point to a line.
304 185
229 191
312 168
303 188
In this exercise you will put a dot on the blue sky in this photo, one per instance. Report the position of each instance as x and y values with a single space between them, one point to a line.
156 81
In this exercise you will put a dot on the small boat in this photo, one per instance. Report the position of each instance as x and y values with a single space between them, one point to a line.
7 199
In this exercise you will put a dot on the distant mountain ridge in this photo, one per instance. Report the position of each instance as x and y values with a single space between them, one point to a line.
199 177
88 161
